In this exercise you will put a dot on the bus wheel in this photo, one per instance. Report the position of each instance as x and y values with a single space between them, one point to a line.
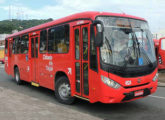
63 91
17 76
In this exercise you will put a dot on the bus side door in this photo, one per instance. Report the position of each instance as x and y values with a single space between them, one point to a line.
81 38
34 58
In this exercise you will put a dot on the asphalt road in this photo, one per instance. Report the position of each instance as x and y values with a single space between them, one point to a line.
149 108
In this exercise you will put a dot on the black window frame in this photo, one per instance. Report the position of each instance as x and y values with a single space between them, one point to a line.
93 37
41 33
16 42
27 42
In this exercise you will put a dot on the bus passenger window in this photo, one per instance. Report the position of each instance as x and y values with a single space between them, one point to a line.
58 41
77 46
24 44
13 48
16 45
19 46
43 41
6 46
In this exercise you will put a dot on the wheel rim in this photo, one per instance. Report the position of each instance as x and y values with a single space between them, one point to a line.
17 77
64 91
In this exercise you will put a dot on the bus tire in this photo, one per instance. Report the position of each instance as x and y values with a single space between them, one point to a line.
17 76
63 91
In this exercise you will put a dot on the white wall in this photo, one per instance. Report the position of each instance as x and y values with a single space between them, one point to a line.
3 36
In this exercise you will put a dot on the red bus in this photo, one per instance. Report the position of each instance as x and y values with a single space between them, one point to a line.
160 52
95 56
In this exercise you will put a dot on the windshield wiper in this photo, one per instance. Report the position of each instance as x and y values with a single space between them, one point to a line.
145 54
148 59
110 48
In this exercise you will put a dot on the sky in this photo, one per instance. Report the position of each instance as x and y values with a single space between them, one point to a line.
152 10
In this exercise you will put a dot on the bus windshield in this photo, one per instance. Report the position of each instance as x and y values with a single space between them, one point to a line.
127 42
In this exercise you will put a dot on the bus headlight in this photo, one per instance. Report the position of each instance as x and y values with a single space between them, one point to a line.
110 83
155 77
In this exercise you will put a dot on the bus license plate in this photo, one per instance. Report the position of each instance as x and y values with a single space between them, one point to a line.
138 93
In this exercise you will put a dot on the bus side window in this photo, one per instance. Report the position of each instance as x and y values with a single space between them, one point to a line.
51 41
6 46
58 41
13 48
24 44
77 45
63 39
43 41
93 51
18 45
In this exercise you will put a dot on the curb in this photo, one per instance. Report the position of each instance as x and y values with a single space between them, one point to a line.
160 84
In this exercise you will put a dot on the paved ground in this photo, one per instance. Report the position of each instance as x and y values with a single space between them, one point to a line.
26 103
30 103
162 78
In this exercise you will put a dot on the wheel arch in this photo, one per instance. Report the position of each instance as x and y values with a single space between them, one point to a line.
15 66
58 75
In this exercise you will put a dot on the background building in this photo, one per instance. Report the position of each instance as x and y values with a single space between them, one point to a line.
2 39
159 34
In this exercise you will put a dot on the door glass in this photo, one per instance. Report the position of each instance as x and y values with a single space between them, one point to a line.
36 47
85 43
77 46
78 77
32 47
85 76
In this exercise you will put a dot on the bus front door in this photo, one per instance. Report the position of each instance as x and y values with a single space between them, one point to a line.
81 38
34 59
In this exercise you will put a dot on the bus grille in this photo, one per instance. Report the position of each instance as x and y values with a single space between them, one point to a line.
129 96
126 87
160 59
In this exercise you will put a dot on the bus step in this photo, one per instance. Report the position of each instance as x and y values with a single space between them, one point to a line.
35 84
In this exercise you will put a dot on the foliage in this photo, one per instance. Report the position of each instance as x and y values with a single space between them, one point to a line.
7 26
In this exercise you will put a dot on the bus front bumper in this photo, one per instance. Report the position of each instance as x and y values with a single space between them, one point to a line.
127 94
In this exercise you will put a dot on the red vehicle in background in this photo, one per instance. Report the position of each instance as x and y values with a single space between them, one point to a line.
2 61
160 52
95 56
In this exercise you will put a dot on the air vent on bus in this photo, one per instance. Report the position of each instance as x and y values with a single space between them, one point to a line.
160 59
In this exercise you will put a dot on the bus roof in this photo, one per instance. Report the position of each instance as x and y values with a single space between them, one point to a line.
90 15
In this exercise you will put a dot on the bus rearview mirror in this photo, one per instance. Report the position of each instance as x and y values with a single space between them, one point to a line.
99 36
99 39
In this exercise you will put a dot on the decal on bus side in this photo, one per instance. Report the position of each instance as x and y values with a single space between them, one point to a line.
28 68
49 68
45 57
70 71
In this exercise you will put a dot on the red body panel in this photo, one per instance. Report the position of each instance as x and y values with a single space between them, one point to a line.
43 69
160 53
